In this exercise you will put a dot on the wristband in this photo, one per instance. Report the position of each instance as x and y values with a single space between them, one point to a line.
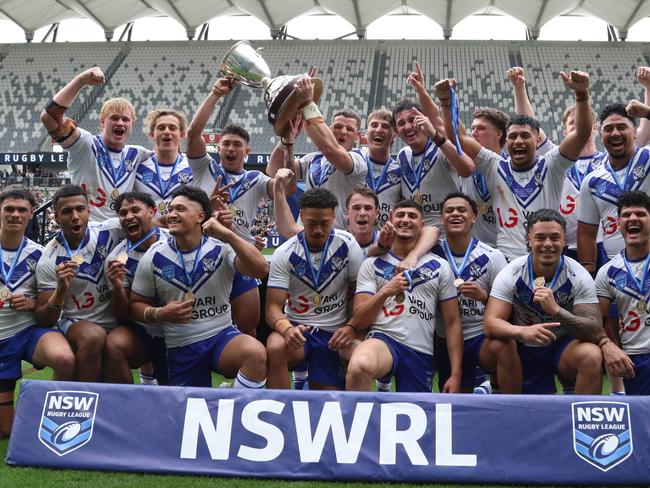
383 248
582 96
442 141
311 111
150 315
603 341
282 328
349 325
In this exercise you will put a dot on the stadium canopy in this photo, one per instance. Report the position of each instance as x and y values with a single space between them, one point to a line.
31 15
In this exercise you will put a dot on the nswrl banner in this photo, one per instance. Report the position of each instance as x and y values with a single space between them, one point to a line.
333 435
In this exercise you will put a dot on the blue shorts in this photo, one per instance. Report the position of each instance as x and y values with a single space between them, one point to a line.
540 365
19 348
471 350
192 365
241 284
156 351
324 363
640 384
413 370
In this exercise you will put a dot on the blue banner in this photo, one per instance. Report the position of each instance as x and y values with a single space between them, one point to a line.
333 435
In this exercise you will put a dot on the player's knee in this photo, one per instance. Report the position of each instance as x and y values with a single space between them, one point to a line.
362 366
276 347
116 345
63 363
254 355
91 340
591 358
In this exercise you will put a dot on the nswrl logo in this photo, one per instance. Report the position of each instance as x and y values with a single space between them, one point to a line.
602 433
67 420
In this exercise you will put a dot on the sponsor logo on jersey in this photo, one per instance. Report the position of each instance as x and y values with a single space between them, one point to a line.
602 433
67 420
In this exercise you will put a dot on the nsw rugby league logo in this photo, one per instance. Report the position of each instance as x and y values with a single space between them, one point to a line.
602 433
67 421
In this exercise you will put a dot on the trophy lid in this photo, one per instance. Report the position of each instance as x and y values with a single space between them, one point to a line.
246 65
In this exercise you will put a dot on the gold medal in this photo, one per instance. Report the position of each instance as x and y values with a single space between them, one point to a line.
483 208
458 282
641 306
123 257
115 193
77 258
316 298
539 282
417 197
400 297
233 211
4 293
189 296
162 206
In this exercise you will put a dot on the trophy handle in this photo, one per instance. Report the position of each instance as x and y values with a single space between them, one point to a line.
259 50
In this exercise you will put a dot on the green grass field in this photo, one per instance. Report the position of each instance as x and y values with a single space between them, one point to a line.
11 477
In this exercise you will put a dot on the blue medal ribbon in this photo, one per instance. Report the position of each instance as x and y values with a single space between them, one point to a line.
458 270
315 278
630 166
109 161
234 191
418 171
66 246
130 247
164 186
640 284
455 118
6 276
190 276
531 278
370 177
409 278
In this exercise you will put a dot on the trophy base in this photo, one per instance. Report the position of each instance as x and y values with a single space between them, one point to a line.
286 104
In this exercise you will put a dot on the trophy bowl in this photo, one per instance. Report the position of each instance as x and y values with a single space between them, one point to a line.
246 65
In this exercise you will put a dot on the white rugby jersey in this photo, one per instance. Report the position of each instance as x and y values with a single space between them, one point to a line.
160 180
600 191
131 264
615 283
430 174
485 227
570 201
89 295
290 271
318 172
413 321
22 281
482 267
385 180
245 195
572 285
365 247
100 171
161 277
516 194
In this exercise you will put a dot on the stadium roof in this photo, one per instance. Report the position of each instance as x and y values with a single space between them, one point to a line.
31 15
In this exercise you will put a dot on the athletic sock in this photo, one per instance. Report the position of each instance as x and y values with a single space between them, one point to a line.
383 385
241 381
484 388
146 379
300 379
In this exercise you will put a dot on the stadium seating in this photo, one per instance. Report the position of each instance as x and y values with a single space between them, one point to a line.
360 74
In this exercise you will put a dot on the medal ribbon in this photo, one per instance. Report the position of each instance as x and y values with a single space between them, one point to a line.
630 166
68 251
164 186
370 177
130 247
6 277
315 278
458 270
109 161
190 277
640 284
558 270
409 278
454 118
418 171
234 191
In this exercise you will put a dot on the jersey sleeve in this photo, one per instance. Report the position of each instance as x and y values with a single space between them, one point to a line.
359 166
357 258
201 174
545 147
497 263
603 288
487 162
586 289
587 210
45 273
262 184
303 165
503 287
446 288
366 282
558 164
143 281
279 274
81 154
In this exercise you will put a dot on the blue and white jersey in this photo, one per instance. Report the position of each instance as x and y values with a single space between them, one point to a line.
246 193
485 227
365 247
411 321
385 180
482 267
430 175
313 300
100 171
131 264
571 286
318 172
615 283
23 281
162 277
570 202
516 194
88 297
600 191
160 180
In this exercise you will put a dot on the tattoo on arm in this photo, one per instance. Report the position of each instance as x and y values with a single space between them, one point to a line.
584 322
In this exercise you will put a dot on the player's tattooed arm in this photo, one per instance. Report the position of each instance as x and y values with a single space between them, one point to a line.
583 323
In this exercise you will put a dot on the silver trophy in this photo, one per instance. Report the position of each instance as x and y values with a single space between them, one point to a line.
247 66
